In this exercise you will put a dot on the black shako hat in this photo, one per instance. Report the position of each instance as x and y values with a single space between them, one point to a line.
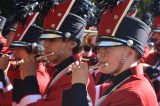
72 27
29 38
132 32
2 22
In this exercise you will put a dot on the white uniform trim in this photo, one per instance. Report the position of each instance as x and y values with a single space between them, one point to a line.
97 92
29 99
27 27
58 76
158 78
1 85
8 88
102 99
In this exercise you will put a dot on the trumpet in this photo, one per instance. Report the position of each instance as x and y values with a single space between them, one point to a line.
38 59
92 32
17 63
44 57
12 60
10 55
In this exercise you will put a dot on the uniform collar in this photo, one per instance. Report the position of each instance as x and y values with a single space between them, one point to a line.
122 76
119 79
65 63
137 70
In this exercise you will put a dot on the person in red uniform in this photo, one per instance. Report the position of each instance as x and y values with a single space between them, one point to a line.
120 56
89 55
152 57
28 47
5 85
20 50
3 40
61 46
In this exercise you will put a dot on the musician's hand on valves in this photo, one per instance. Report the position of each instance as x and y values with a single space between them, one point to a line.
28 67
79 72
4 62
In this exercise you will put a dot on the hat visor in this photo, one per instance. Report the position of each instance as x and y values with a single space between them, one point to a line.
110 42
49 36
18 44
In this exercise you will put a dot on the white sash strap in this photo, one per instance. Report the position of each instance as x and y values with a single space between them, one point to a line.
101 100
8 88
54 80
97 92
1 85
90 102
27 100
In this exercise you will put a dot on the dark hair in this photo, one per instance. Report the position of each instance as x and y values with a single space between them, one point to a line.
138 55
76 49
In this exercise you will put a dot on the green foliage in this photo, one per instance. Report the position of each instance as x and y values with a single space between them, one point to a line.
143 7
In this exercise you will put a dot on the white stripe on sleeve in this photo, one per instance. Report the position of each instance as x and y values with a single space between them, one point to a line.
29 99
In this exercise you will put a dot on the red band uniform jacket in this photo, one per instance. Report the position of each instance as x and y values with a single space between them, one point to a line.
134 90
13 73
60 81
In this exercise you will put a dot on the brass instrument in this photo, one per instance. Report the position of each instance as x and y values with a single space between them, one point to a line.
93 32
42 58
89 38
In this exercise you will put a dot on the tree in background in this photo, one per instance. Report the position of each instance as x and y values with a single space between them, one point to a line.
144 7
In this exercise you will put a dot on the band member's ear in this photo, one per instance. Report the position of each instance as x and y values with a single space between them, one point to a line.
132 53
72 44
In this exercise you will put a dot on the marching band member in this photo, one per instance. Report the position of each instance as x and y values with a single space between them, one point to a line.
120 56
152 57
63 45
5 84
22 49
